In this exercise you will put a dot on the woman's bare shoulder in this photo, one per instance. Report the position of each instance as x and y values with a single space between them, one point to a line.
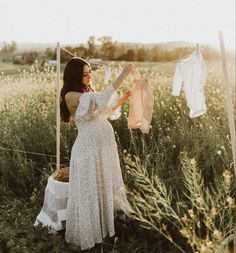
72 95
72 100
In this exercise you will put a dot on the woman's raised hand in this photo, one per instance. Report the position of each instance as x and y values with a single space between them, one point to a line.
127 94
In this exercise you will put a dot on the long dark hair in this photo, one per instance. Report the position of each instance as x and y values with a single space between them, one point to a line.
72 81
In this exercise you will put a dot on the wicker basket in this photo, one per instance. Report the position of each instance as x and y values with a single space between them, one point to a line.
61 175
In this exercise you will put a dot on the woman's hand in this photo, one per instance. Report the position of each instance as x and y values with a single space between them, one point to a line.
127 94
122 99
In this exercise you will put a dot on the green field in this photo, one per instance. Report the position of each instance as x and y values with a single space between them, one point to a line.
179 177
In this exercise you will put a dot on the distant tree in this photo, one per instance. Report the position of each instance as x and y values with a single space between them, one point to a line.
13 47
108 49
155 52
9 47
141 54
130 55
120 53
81 51
50 53
4 47
92 49
30 57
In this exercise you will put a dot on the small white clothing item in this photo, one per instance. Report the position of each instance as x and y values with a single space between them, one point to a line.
140 106
115 97
53 212
96 187
107 75
117 72
191 74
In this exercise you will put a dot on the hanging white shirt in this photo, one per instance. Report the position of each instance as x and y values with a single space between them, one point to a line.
191 74
107 75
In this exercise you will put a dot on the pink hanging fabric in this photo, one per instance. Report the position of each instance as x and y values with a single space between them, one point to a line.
141 106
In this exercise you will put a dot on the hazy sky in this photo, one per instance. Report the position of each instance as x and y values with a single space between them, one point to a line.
145 21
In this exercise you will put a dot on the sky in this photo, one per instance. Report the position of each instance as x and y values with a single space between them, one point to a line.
138 21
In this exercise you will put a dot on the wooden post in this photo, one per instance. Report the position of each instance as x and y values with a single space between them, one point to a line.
58 108
230 112
228 93
197 48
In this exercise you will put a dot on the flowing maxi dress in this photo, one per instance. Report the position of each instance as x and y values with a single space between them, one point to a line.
96 187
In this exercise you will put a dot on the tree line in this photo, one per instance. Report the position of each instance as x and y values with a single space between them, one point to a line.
106 49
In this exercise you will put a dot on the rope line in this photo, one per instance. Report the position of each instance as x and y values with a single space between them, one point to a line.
27 152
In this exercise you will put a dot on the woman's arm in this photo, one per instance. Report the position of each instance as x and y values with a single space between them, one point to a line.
121 101
125 72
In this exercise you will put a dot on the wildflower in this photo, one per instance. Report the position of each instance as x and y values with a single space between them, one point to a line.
124 151
193 162
204 249
227 177
184 218
163 226
208 222
219 152
213 211
230 201
217 234
184 232
174 146
191 214
209 244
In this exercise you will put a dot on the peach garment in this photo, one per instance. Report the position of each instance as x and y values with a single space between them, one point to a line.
141 106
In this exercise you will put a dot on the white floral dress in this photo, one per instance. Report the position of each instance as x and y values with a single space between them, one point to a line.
96 187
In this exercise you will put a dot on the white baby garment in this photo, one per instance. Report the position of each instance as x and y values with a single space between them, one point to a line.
191 73
107 75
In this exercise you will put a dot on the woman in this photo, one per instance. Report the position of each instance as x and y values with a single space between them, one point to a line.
96 188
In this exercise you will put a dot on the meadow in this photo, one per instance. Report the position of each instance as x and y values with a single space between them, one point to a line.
179 178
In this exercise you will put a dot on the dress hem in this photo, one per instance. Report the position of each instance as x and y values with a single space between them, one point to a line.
96 242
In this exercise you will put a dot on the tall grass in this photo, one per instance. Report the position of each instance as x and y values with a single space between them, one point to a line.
179 177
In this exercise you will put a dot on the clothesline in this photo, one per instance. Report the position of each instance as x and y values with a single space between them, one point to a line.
28 152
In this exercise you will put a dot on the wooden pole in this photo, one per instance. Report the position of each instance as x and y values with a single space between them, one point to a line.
228 93
58 108
197 48
230 112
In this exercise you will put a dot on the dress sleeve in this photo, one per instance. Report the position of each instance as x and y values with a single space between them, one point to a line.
177 81
93 104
